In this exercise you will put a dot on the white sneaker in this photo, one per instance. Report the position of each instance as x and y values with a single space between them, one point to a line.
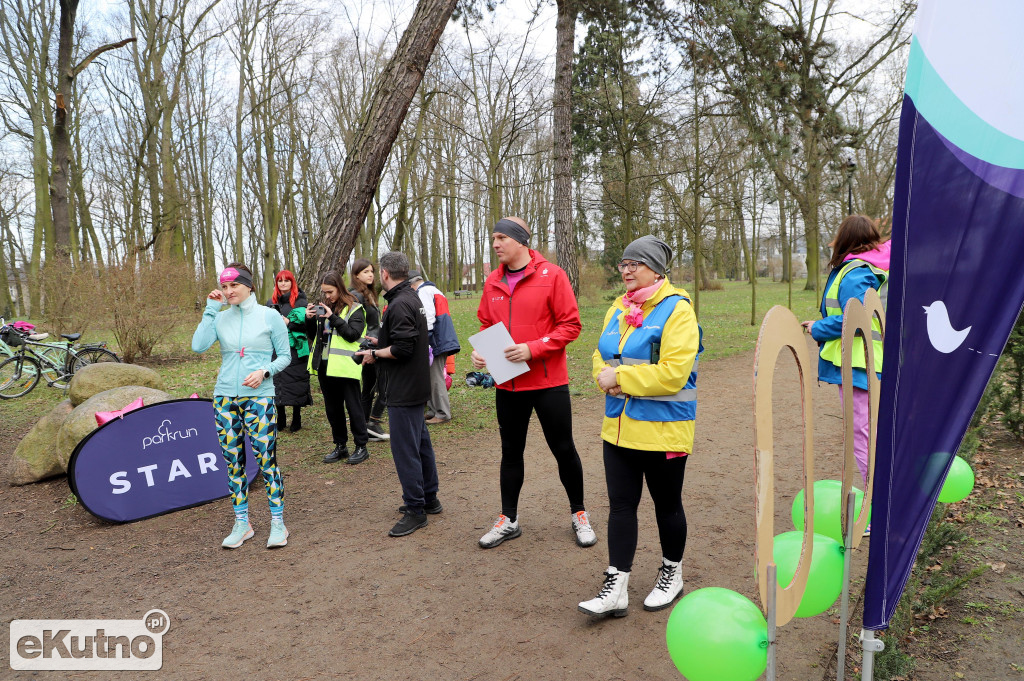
612 599
667 587
584 532
503 529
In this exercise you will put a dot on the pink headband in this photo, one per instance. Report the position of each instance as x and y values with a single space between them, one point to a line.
231 274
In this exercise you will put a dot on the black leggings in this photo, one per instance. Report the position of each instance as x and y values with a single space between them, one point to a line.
625 470
373 402
339 394
554 411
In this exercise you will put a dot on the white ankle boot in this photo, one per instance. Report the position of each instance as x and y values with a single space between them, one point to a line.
667 587
613 598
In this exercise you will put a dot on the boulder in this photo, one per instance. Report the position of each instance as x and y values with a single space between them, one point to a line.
35 457
82 420
96 378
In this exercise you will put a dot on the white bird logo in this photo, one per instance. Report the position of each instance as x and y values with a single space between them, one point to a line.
941 333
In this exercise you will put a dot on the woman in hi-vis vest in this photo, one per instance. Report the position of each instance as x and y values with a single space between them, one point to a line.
860 260
335 327
646 363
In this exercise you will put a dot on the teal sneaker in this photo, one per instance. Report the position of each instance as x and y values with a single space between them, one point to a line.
278 534
239 533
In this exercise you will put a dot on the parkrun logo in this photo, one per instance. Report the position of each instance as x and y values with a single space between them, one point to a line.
84 645
164 434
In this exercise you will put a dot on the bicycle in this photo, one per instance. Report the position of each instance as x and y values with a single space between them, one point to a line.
19 373
56 363
89 353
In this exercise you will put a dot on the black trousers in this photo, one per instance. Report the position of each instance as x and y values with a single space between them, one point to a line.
413 455
625 470
554 411
341 394
373 402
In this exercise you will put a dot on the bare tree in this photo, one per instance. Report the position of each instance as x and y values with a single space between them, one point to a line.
377 131
66 74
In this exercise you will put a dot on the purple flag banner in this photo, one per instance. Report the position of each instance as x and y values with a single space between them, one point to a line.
154 460
956 282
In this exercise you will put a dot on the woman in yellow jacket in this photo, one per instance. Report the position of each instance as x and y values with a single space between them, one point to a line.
646 363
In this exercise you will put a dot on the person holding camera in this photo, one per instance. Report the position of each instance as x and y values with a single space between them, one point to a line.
249 334
292 384
373 401
404 373
335 328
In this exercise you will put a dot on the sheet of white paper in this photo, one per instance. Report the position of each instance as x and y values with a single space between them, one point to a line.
491 344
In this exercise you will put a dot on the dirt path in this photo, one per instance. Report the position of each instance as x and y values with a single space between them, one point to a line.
345 601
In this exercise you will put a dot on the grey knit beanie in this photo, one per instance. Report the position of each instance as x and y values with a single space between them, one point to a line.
651 251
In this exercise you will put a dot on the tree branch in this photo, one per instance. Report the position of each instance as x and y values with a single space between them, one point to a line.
97 52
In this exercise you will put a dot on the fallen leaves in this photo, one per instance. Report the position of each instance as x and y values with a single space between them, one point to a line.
932 614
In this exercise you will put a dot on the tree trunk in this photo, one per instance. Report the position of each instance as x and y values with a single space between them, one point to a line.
43 229
61 139
6 301
172 222
565 238
787 256
378 129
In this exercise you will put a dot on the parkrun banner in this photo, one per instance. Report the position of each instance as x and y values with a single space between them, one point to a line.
956 283
154 460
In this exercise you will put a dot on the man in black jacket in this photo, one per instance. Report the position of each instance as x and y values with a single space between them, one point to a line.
404 374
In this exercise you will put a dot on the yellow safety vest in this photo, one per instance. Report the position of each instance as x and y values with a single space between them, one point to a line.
340 352
832 350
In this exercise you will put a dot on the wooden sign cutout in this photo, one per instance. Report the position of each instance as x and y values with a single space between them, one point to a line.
857 320
781 329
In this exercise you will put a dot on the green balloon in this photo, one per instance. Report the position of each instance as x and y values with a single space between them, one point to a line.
716 634
825 580
959 482
828 508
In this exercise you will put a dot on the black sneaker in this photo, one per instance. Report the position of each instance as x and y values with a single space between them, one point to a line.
432 507
340 452
359 456
376 431
409 523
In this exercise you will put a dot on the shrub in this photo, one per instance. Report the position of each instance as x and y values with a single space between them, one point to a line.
595 286
149 301
1005 393
73 298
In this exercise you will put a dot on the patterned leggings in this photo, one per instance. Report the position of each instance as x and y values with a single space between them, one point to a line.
258 416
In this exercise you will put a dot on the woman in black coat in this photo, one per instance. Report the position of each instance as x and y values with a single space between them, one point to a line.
292 384
373 401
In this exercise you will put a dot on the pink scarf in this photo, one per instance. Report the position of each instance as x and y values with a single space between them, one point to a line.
634 299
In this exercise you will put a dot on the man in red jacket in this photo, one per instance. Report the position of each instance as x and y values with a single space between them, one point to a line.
535 301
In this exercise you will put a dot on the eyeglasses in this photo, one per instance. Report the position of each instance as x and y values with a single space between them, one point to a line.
628 265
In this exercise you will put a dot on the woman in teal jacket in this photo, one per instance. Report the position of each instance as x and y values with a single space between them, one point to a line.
243 399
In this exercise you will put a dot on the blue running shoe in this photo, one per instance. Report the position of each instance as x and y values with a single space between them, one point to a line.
278 534
239 533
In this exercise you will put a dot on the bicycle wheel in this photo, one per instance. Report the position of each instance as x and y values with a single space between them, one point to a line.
92 355
54 362
18 375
